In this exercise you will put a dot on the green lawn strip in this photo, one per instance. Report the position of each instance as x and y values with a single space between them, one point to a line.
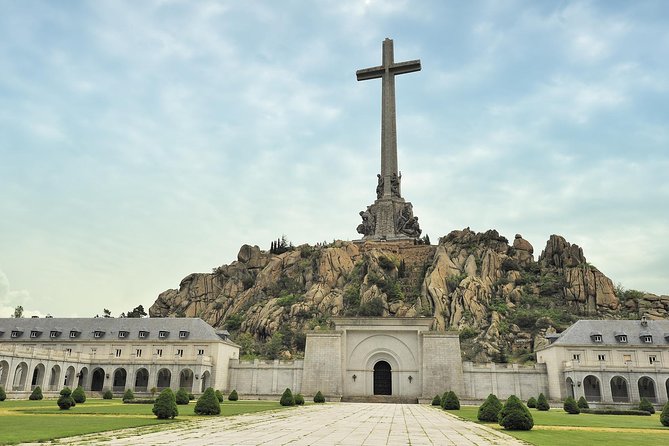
577 437
558 417
22 428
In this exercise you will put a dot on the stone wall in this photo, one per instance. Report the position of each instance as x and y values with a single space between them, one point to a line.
322 364
260 377
504 380
442 365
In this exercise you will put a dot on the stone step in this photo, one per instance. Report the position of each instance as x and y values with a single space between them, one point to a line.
387 399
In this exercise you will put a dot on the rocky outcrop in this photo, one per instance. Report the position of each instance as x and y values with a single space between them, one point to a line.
500 299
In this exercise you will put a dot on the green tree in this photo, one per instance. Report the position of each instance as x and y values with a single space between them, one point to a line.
108 395
299 400
664 416
644 404
515 416
208 404
436 401
233 396
542 403
137 312
128 395
65 400
532 402
219 395
489 410
78 395
319 398
37 394
571 406
166 405
181 397
287 398
450 401
3 395
582 403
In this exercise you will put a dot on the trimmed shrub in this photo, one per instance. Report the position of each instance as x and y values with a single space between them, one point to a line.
191 397
219 396
65 400
166 405
108 395
450 401
140 401
128 396
515 416
644 404
299 400
319 398
542 403
78 395
287 398
208 404
532 402
436 401
3 395
571 406
616 412
664 416
489 410
582 403
37 394
233 396
181 397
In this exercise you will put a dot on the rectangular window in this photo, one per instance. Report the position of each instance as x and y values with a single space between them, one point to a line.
647 339
68 351
622 339
53 334
627 358
118 352
138 352
122 334
601 357
576 357
73 334
200 351
34 334
159 352
597 338
162 334
15 334
142 334
183 334
180 352
652 359
97 334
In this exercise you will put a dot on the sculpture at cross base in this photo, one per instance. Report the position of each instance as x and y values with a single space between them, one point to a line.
390 217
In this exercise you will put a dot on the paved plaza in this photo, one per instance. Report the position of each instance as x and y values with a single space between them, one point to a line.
330 424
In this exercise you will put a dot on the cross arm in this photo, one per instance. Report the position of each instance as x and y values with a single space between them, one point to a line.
370 73
405 67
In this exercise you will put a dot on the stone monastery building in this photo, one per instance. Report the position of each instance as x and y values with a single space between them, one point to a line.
608 362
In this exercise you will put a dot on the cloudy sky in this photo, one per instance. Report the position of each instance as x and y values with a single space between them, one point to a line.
141 141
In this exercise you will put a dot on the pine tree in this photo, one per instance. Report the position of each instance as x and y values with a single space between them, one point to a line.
166 405
287 398
582 403
208 404
542 403
489 410
233 396
571 406
515 416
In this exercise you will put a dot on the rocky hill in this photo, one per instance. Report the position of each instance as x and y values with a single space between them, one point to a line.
500 299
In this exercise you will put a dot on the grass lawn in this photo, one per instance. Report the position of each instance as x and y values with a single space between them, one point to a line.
31 421
556 427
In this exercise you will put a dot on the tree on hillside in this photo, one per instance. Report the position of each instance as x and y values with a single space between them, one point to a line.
136 312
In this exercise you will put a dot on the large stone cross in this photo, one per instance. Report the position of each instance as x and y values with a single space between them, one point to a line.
387 73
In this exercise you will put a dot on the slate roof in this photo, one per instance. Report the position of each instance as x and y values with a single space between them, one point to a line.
581 331
198 330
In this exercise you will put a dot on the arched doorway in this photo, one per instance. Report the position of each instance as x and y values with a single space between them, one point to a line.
205 381
54 378
20 375
69 377
38 377
647 389
120 375
186 379
4 373
141 380
570 387
383 383
83 376
591 388
619 390
164 378
98 381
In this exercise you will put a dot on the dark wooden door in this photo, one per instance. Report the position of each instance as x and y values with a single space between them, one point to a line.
383 383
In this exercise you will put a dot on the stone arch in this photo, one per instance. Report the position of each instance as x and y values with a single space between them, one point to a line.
83 377
206 377
383 382
20 376
97 379
570 387
186 379
4 373
69 377
619 390
647 390
38 376
592 389
141 380
164 378
54 377
120 377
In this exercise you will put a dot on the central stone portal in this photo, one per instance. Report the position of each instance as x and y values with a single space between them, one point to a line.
390 217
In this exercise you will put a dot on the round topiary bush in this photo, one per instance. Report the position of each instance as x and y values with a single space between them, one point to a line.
37 394
78 395
107 395
436 401
219 396
571 406
319 398
515 416
128 395
3 395
542 403
65 400
181 397
299 400
166 405
208 404
664 416
450 401
582 403
191 397
532 402
644 404
233 396
287 398
489 410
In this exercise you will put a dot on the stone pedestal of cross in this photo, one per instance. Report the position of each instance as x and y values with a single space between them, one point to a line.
390 217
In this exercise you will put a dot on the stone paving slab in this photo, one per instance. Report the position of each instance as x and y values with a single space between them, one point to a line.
330 424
